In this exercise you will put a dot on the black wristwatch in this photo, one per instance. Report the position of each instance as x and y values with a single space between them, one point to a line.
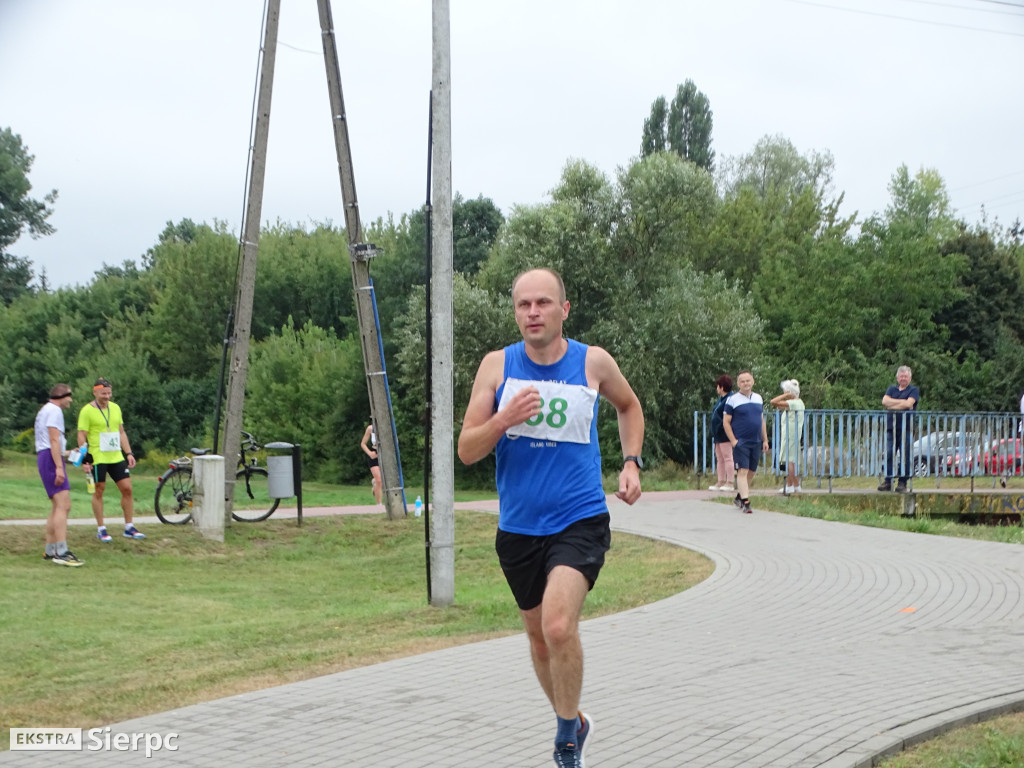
636 460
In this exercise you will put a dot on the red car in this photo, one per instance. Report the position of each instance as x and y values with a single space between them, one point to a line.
1003 458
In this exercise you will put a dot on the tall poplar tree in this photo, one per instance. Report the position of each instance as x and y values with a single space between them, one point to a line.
683 127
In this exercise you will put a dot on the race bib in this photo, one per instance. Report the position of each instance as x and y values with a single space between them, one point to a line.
566 411
110 442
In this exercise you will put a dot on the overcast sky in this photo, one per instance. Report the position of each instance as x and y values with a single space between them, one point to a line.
138 111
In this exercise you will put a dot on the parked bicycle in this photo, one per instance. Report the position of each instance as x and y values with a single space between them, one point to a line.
173 501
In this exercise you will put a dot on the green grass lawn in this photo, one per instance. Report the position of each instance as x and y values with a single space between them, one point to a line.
147 626
24 498
173 620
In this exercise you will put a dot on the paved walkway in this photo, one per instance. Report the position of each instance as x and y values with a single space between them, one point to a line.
813 644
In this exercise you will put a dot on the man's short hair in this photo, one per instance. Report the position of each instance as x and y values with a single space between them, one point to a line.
101 382
59 390
904 368
553 273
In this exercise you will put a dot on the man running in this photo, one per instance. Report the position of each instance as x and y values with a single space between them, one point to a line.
535 404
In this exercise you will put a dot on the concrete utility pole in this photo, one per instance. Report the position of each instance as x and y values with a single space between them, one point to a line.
246 279
442 514
360 254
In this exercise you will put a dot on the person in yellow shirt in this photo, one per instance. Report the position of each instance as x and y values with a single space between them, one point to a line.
101 426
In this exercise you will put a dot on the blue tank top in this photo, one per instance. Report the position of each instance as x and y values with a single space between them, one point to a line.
544 486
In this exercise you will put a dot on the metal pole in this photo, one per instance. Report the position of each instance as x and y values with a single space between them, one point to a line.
247 267
443 520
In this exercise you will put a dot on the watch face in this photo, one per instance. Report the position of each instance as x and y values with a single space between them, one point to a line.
636 460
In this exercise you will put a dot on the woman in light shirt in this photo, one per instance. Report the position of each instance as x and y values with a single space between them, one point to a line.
792 432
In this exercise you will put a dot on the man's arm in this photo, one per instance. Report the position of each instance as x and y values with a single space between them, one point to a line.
727 426
55 452
482 426
897 404
764 434
603 371
127 448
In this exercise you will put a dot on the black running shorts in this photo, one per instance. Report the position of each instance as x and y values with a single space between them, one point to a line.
116 472
527 560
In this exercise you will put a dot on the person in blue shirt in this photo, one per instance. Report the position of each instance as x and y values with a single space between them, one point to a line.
899 399
535 404
748 434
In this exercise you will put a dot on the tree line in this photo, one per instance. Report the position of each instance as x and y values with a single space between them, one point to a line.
682 270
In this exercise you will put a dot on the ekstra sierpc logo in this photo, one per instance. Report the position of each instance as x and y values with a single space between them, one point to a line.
93 740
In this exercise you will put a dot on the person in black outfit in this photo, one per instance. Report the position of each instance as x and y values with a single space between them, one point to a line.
898 400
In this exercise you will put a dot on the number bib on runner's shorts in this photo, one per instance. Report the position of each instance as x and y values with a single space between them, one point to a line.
110 441
566 411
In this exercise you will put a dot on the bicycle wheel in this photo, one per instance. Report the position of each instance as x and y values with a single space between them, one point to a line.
252 496
173 500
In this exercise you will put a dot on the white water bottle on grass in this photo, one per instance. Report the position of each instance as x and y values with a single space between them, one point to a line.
419 506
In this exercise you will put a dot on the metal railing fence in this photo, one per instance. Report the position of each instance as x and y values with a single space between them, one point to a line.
920 444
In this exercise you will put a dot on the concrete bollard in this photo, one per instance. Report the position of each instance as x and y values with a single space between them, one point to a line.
208 496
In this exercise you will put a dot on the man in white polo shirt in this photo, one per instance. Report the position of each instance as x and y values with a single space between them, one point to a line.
748 433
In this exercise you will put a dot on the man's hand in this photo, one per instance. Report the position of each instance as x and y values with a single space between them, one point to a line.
525 404
131 461
59 477
629 483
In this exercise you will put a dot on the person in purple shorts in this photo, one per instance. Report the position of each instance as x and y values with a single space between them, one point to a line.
50 453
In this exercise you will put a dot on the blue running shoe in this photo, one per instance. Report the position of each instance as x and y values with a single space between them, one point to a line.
567 756
132 533
582 735
102 535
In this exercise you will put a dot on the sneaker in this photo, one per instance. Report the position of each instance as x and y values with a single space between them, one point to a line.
582 735
885 485
567 756
102 535
798 489
746 508
714 487
901 486
726 488
47 557
131 533
68 558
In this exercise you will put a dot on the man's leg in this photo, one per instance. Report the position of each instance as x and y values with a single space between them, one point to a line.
890 451
743 482
57 522
906 460
553 631
127 499
97 503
